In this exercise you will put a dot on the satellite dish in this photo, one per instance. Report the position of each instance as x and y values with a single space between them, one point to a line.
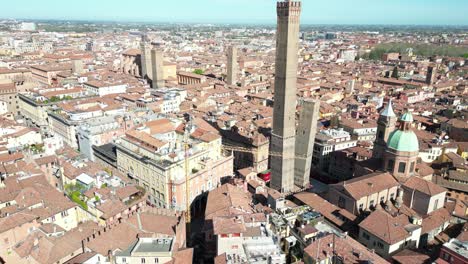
446 137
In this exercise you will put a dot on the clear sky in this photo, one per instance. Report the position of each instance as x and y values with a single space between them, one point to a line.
420 12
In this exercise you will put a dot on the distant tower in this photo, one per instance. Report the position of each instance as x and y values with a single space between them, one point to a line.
157 65
305 139
77 66
385 126
430 77
146 69
232 65
284 111
350 86
89 46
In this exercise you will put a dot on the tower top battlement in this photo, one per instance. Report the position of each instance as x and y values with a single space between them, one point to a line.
289 9
288 3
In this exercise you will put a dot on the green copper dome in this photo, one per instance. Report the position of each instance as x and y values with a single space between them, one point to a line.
403 141
407 117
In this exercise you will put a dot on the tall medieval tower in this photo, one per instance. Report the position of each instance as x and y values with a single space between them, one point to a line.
305 139
157 65
232 65
284 111
430 76
385 126
145 60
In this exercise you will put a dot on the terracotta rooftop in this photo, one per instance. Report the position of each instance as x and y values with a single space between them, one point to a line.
348 249
386 227
408 256
367 184
331 212
228 225
223 199
423 186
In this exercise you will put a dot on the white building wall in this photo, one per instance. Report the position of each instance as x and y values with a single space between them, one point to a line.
384 249
29 138
230 245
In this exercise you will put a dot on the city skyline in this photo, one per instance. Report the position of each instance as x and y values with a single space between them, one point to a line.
234 131
361 12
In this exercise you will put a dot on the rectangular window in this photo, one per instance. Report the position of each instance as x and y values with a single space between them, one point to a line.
446 256
380 245
436 202
365 235
412 167
390 165
402 167
361 206
341 202
371 203
143 260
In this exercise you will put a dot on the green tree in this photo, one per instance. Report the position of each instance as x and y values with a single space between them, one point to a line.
395 72
421 49
70 188
76 197
198 71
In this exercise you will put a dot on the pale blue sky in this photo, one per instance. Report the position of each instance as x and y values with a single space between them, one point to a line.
421 12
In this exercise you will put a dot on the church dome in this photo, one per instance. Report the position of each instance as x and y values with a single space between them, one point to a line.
400 140
407 117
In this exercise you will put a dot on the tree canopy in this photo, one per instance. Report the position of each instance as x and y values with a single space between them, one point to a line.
198 71
425 50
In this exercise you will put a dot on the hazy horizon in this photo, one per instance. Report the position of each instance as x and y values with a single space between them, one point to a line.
219 23
331 12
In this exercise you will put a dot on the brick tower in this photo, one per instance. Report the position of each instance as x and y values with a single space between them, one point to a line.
157 67
146 69
232 65
284 111
305 139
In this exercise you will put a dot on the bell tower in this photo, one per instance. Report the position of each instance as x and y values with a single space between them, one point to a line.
385 125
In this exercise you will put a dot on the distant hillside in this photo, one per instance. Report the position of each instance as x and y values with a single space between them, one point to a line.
425 50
